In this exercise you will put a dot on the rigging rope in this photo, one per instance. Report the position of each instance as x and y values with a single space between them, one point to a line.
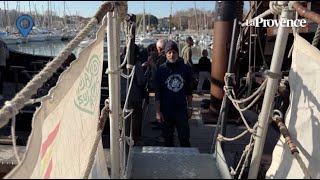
102 121
14 111
316 37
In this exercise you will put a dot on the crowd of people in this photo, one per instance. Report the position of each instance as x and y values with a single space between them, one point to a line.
160 68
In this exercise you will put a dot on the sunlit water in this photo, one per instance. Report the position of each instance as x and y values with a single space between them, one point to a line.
52 48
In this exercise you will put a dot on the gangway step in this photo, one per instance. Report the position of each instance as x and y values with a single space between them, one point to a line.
147 165
166 150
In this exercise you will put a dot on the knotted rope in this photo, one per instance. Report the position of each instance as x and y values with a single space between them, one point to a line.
277 6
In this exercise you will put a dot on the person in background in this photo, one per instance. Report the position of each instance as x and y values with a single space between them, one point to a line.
173 95
204 71
186 52
150 69
161 43
159 60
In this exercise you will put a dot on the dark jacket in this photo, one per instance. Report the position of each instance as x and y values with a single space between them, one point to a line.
161 59
173 85
204 64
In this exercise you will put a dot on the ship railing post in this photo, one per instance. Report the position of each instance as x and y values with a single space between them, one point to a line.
114 91
271 88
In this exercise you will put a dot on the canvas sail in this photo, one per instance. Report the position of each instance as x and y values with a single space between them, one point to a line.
65 125
302 118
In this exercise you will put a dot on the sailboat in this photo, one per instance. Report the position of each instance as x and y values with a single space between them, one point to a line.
143 40
7 36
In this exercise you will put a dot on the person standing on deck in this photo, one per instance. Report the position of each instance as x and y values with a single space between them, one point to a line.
161 55
186 51
4 55
204 70
159 60
173 95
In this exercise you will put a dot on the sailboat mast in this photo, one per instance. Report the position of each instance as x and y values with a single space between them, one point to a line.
64 13
195 11
144 19
170 18
29 8
9 22
5 14
48 15
149 28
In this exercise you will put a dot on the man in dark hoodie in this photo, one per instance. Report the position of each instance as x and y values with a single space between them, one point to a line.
173 95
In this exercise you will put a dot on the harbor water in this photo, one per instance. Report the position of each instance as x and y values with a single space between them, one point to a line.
52 48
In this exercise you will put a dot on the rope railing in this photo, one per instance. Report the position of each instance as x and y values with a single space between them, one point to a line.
275 7
38 80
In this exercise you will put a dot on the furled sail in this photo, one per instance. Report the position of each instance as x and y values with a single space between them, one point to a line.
302 118
65 125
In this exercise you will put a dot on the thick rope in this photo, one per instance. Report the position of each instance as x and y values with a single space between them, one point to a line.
257 92
246 161
102 121
222 138
14 112
304 12
277 6
122 10
37 81
316 37
245 154
128 49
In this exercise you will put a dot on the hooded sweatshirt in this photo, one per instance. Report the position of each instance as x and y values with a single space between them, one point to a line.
173 85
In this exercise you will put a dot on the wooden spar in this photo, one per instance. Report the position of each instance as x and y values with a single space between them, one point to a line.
305 12
222 32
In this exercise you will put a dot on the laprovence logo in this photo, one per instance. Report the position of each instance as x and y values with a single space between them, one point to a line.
260 22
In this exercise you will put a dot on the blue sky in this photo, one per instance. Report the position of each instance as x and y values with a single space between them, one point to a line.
88 8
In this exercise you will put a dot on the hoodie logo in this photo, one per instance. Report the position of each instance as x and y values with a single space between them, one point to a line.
174 82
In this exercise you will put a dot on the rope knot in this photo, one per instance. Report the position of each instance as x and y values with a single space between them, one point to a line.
232 171
122 9
277 6
12 107
129 140
252 131
117 71
220 138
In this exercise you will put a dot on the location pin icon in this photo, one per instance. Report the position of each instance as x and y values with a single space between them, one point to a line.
24 31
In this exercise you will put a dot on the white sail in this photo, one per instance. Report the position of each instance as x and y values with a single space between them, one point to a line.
65 125
302 118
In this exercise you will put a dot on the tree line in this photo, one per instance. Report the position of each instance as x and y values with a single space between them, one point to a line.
183 19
